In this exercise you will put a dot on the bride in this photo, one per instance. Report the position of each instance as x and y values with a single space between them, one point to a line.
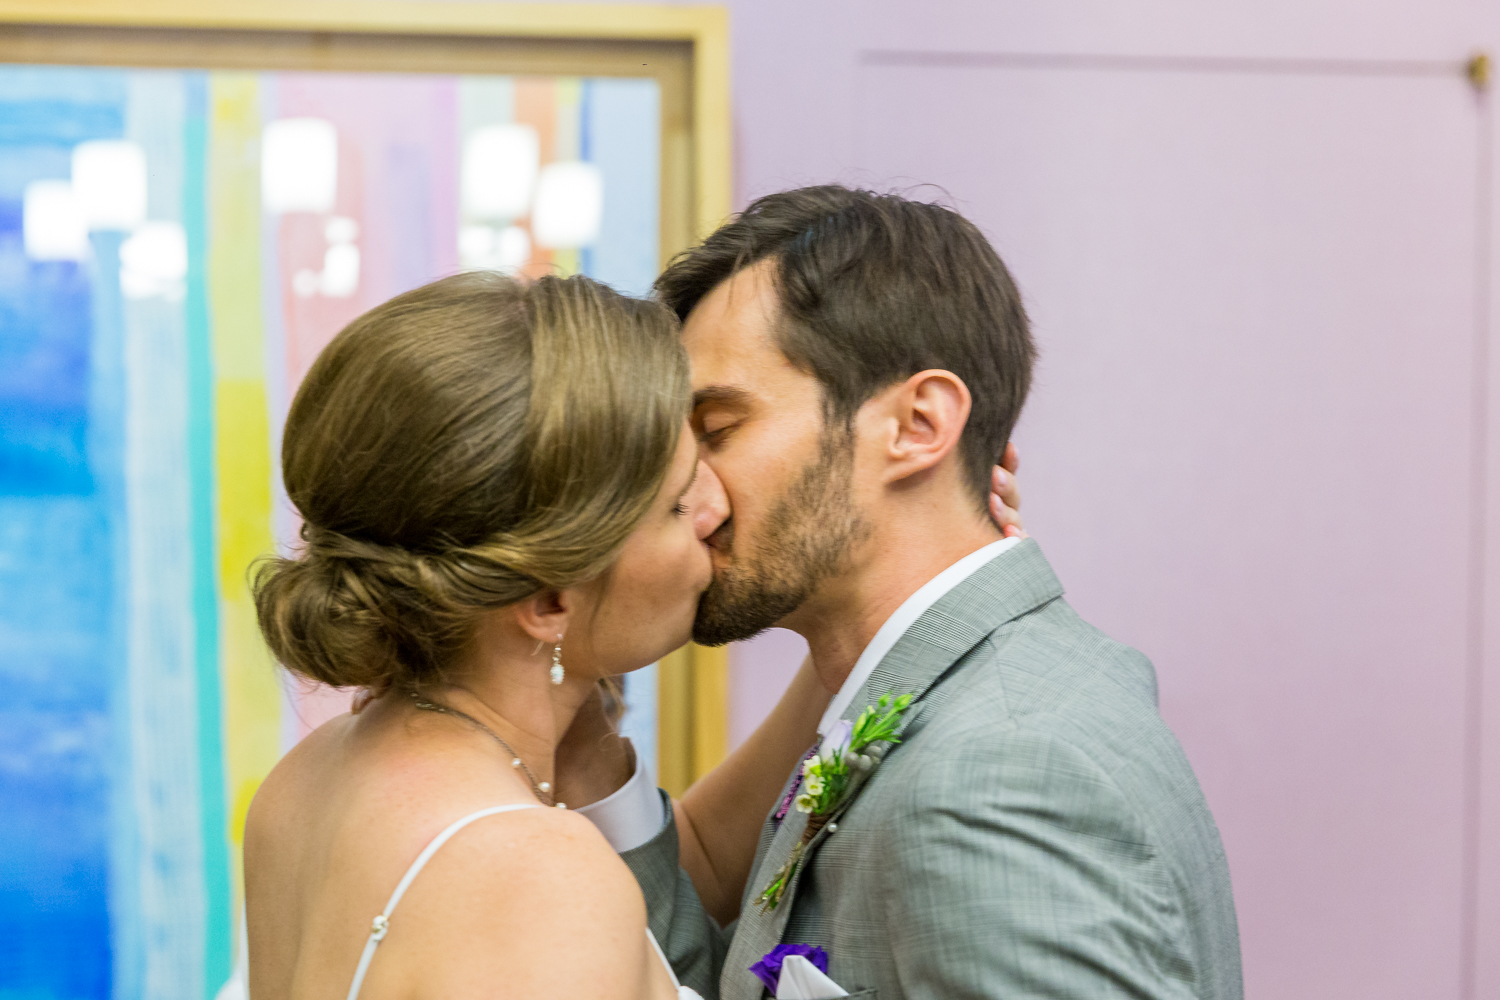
502 507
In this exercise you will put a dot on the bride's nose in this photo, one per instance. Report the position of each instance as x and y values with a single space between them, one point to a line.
708 502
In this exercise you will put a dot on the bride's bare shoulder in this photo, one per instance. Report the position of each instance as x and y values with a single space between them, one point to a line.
284 795
553 858
535 897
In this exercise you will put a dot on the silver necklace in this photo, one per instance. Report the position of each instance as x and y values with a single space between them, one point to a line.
542 789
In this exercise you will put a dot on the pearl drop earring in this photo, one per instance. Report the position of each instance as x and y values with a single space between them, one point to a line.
557 667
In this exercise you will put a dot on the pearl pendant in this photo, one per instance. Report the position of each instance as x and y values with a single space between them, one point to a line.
544 787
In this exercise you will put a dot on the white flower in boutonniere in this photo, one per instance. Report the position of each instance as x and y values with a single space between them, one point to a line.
828 776
834 750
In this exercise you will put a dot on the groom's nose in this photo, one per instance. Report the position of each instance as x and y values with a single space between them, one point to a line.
708 502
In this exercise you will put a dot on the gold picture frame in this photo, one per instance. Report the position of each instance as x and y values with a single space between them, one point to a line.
685 48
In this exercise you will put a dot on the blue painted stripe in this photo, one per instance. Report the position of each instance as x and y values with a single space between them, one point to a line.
106 452
586 154
621 120
106 446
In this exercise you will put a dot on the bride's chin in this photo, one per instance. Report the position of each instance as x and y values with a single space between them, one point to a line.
670 645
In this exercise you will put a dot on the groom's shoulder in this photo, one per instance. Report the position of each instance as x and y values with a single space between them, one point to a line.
1069 694
1047 733
1050 661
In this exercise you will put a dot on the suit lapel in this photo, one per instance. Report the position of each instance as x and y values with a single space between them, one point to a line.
1010 585
760 930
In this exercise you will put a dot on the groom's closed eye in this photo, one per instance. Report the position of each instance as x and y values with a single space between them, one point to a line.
715 431
717 409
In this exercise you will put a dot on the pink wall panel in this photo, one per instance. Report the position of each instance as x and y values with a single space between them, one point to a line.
1248 453
759 670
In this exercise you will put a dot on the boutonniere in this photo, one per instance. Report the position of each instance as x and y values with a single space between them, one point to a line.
828 777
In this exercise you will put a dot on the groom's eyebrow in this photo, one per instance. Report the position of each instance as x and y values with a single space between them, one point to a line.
723 395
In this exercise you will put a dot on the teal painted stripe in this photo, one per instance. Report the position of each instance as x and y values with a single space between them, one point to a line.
219 924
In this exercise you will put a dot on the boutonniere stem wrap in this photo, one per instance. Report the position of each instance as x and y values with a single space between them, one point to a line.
828 776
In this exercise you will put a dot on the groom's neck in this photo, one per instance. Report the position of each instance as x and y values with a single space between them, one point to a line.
910 541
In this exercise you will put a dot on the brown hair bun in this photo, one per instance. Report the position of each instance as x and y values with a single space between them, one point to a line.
458 449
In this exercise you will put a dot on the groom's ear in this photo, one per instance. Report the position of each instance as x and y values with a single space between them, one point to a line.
921 422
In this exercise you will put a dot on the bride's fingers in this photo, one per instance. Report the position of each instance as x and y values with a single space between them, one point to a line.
1011 460
1006 488
1005 502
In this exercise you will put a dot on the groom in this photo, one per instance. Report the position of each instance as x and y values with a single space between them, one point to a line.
859 362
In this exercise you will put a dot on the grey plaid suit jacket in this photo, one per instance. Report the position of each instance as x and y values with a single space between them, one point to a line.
1037 833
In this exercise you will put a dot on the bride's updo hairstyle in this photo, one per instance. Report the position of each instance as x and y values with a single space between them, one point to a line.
458 449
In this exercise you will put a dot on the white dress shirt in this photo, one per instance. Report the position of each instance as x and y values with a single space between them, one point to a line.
633 814
636 813
902 619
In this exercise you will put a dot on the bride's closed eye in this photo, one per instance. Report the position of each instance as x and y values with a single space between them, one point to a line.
680 509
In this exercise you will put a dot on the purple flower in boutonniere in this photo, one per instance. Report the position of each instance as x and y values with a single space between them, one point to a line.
768 969
796 786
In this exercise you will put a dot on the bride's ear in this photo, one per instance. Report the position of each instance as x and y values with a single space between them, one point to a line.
544 616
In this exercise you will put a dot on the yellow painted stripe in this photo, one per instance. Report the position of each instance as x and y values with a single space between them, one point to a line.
674 721
692 714
252 692
710 707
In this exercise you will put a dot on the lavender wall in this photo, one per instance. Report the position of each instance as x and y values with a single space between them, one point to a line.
1264 445
1255 242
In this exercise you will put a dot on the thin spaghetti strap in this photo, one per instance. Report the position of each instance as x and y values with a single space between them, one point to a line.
683 992
381 924
656 946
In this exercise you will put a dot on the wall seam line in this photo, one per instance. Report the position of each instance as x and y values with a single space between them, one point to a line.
1294 66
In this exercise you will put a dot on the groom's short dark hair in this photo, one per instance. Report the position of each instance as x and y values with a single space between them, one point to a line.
875 288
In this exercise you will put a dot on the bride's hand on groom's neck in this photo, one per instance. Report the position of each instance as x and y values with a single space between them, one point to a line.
1005 494
592 760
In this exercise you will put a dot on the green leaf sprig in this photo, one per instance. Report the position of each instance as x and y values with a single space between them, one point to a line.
828 776
878 722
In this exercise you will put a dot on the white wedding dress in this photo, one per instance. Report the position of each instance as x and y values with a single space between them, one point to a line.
237 988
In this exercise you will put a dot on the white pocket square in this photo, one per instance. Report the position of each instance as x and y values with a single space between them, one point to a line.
801 980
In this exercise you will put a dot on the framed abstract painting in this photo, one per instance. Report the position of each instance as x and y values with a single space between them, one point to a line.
192 203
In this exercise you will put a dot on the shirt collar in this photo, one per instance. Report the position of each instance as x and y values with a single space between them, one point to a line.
902 619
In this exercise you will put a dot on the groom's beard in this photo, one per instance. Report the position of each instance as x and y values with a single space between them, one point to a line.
809 533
